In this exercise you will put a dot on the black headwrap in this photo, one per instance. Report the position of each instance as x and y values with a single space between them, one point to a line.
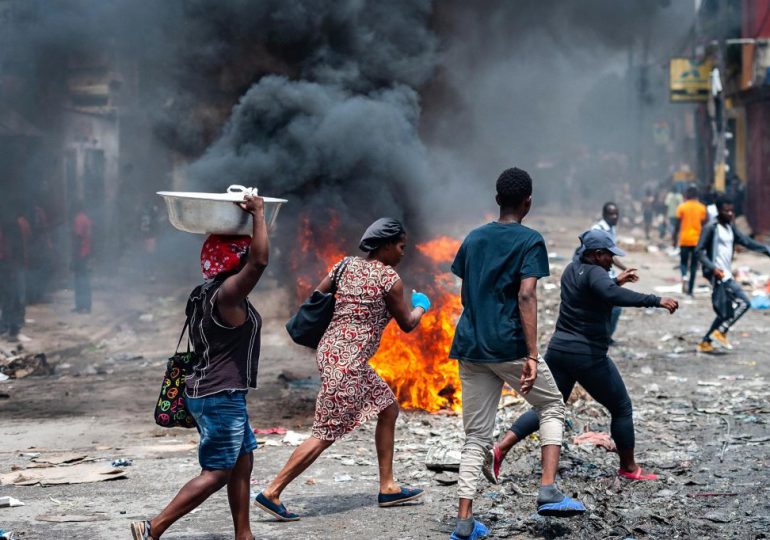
380 232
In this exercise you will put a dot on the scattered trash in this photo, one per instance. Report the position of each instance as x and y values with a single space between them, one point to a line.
343 478
81 473
66 458
600 439
124 357
310 482
442 458
73 518
446 479
6 502
652 388
6 535
270 431
292 438
146 317
17 367
4 377
718 516
760 302
667 289
122 462
711 494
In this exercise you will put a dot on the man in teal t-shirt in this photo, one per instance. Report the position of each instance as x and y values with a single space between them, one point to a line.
496 342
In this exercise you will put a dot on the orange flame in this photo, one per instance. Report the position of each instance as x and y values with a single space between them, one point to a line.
440 250
318 252
415 365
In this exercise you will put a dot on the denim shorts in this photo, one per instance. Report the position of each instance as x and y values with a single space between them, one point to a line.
223 424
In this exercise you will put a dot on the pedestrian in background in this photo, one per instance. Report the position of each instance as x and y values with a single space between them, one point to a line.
691 215
11 260
25 237
82 237
495 343
715 250
648 211
40 258
672 201
609 224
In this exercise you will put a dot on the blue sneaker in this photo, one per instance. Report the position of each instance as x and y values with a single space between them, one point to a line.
479 531
567 507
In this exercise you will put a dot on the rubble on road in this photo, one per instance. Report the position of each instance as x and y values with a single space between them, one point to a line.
81 473
17 365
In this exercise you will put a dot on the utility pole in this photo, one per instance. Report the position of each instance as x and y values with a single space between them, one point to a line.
720 119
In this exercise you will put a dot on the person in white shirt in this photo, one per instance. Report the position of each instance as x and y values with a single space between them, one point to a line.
609 223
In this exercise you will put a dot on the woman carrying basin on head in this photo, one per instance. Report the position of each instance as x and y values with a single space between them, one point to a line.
224 329
369 294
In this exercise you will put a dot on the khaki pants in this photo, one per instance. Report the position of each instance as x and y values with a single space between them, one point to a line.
482 386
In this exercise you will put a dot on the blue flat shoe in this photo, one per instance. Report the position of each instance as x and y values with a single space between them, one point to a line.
278 511
567 507
394 499
479 531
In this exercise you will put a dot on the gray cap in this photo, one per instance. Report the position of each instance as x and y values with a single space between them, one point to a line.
599 239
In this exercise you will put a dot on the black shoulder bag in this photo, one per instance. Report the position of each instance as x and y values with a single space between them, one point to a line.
170 410
308 325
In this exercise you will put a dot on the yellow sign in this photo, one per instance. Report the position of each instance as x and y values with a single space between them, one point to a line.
689 80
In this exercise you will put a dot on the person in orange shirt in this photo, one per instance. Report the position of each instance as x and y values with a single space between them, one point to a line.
691 215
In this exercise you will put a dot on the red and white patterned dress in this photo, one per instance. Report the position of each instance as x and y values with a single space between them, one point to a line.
351 392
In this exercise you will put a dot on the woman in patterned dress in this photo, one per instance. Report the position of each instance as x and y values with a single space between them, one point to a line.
369 294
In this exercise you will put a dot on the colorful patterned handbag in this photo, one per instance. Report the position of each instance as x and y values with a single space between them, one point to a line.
170 411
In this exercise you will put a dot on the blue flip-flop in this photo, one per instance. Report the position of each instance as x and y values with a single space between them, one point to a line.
567 507
479 531
278 511
394 499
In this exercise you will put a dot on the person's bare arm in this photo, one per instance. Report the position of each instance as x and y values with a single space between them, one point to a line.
406 319
528 314
325 286
232 294
628 275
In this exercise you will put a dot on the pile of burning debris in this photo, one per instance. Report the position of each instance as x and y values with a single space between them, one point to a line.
17 364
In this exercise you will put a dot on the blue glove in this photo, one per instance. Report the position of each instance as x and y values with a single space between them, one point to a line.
420 300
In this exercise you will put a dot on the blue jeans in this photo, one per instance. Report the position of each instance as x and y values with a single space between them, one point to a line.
601 379
223 424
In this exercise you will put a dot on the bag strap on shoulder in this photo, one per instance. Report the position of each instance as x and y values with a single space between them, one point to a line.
184 329
338 274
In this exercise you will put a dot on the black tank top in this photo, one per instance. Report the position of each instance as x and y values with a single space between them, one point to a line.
227 357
